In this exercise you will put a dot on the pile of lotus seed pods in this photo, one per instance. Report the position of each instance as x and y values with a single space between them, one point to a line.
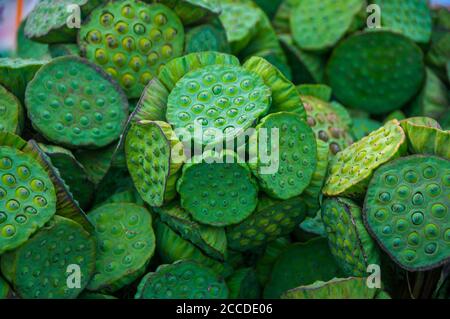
104 195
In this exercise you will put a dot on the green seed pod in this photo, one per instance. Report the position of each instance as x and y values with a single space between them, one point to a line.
15 74
300 264
269 256
11 112
206 202
439 52
307 67
285 97
171 247
211 240
185 279
406 211
154 157
42 267
28 198
272 219
343 112
410 18
320 91
297 159
28 49
48 22
194 11
390 62
153 32
320 25
223 98
327 124
207 37
125 244
72 172
363 126
350 170
350 243
67 110
337 288
59 50
425 137
243 284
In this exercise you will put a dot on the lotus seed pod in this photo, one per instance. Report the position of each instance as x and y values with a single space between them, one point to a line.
350 170
343 113
11 112
182 280
28 198
240 20
92 295
350 243
96 162
272 219
41 268
48 22
125 244
265 262
425 137
394 68
311 195
285 97
211 240
130 196
153 33
72 172
207 37
154 157
219 100
59 50
194 11
171 247
72 102
433 100
307 67
15 74
438 54
410 18
337 288
362 127
406 211
243 284
206 201
320 91
318 26
301 264
28 49
280 62
327 124
291 172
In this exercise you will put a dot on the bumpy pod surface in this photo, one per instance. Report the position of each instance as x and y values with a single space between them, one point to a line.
218 191
272 219
27 197
327 124
48 21
217 100
131 41
291 142
319 25
337 288
211 240
391 63
243 284
406 210
349 241
182 280
40 268
411 18
72 102
351 169
154 156
301 264
125 244
11 112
